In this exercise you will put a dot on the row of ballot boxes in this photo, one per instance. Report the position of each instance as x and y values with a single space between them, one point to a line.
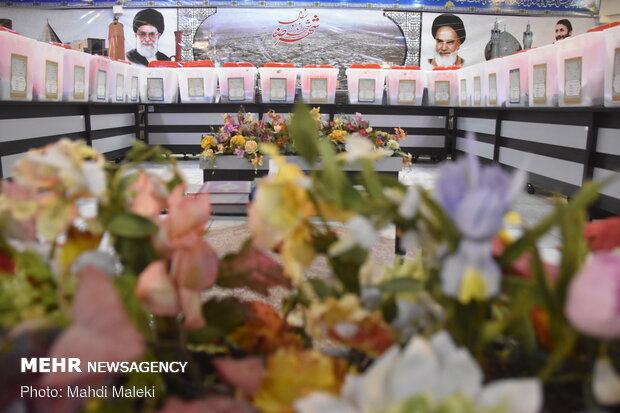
583 70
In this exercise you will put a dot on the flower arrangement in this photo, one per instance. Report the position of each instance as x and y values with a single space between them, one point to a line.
241 134
474 321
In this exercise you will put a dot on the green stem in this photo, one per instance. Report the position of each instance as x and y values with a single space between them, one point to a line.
561 351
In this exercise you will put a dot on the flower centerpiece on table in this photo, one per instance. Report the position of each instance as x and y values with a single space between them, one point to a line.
472 320
241 134
337 130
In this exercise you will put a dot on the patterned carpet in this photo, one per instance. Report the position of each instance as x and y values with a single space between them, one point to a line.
229 239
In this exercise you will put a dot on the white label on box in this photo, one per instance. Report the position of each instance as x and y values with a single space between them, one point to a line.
120 87
277 89
195 87
79 82
100 87
477 91
514 84
572 80
19 67
133 94
615 83
51 79
493 88
366 90
463 91
318 90
406 91
539 82
442 92
236 88
155 88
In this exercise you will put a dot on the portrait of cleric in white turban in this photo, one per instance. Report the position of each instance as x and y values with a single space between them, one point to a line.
148 25
449 34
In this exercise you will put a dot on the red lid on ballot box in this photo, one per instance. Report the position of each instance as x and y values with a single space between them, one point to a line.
447 68
239 64
604 27
5 29
163 63
60 45
406 67
199 63
274 64
365 66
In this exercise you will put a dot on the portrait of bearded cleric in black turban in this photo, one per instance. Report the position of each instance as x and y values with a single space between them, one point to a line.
148 25
449 34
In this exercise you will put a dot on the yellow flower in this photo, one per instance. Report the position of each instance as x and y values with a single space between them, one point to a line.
283 383
208 153
237 141
277 128
257 161
513 218
338 135
251 147
316 114
298 252
208 141
473 287
280 210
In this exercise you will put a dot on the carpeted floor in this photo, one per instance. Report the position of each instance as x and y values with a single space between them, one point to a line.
230 239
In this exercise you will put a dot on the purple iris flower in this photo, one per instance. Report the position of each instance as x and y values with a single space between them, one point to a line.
476 197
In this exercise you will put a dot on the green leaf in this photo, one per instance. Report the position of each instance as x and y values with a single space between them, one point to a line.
574 248
304 132
441 225
322 289
126 288
333 181
371 178
131 225
401 285
346 267
389 309
135 253
223 316
142 152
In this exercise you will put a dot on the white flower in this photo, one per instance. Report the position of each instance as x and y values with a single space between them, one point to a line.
359 231
605 383
357 147
409 207
436 368
392 144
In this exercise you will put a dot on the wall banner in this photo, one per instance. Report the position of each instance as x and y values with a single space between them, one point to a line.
583 7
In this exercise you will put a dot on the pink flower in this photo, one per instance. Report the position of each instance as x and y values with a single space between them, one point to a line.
150 199
173 286
593 302
186 220
156 290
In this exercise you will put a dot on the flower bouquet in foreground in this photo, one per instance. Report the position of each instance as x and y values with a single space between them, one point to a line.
472 320
241 135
